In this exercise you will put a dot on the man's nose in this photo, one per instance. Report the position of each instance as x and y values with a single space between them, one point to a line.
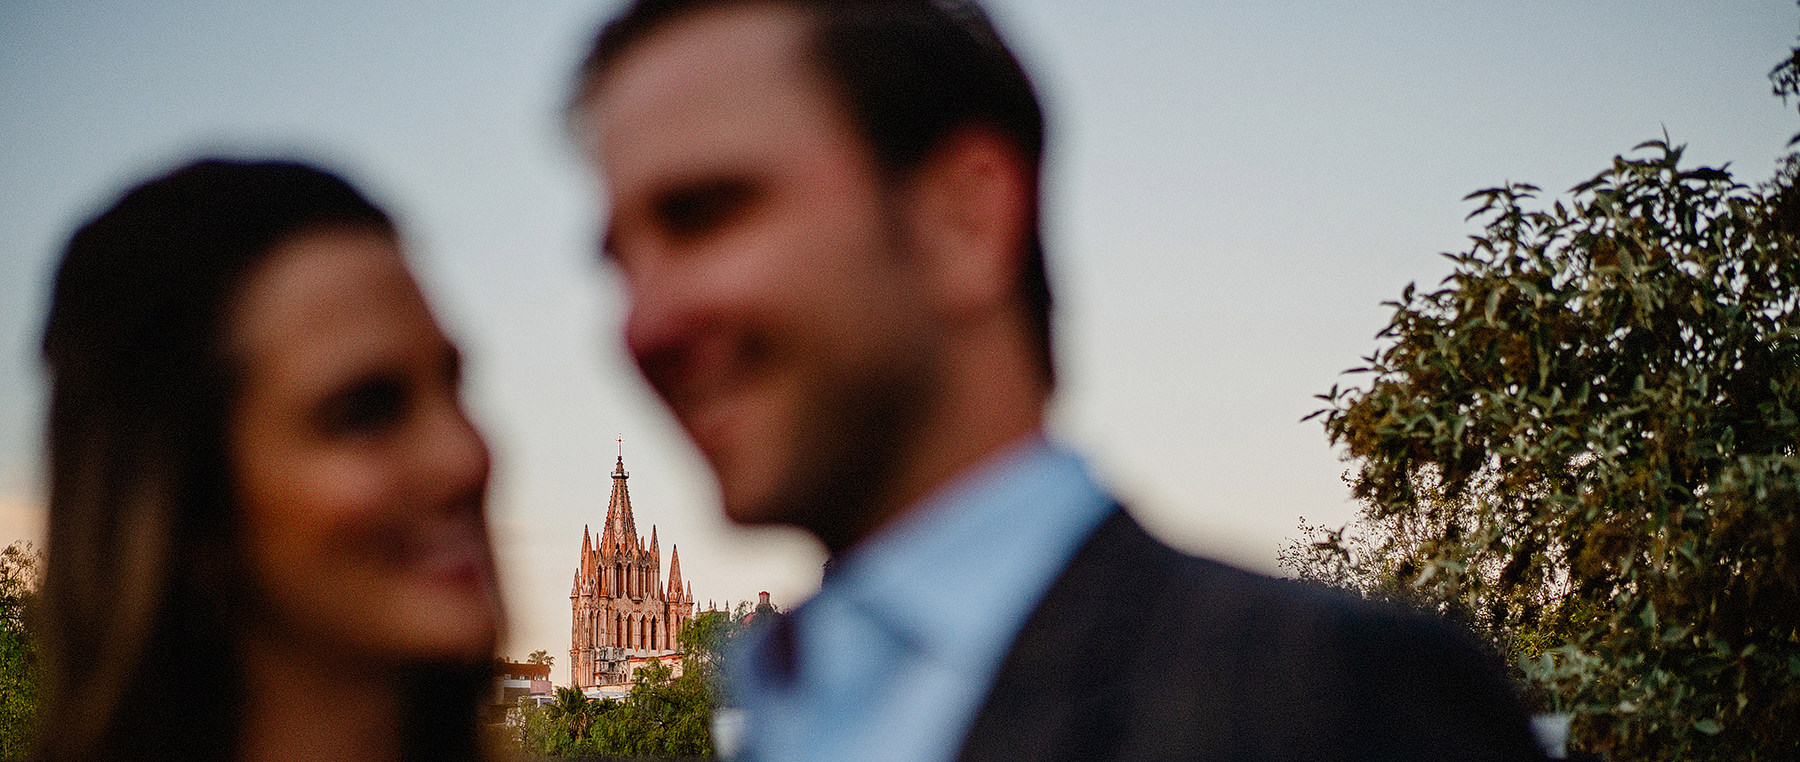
658 324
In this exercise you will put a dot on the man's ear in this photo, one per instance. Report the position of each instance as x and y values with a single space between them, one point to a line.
971 204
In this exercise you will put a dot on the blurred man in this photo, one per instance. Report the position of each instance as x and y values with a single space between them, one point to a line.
825 215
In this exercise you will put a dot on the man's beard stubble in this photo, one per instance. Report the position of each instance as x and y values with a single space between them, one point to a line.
860 438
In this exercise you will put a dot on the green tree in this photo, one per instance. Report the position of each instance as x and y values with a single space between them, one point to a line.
531 728
540 657
572 713
19 577
568 726
1583 444
706 638
663 716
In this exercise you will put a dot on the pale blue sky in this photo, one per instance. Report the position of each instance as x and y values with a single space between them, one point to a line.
1234 189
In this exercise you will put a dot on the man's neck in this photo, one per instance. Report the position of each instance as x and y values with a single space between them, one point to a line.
974 427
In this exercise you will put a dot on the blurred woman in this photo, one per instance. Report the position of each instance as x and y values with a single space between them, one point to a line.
267 535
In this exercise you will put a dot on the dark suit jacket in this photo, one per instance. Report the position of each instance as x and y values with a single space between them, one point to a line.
1139 652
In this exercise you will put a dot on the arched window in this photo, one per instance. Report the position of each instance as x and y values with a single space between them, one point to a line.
653 643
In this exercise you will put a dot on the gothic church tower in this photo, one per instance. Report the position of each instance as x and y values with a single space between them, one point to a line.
622 608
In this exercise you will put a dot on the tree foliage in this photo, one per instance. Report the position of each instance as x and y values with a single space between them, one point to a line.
708 637
664 715
1583 443
19 577
573 713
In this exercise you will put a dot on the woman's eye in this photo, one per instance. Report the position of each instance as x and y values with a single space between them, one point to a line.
369 407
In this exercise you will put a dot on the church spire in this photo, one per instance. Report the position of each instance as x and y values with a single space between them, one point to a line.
621 529
621 599
587 553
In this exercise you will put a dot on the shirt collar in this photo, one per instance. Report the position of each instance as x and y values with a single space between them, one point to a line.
992 541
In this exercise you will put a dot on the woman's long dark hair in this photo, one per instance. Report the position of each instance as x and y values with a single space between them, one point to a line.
143 574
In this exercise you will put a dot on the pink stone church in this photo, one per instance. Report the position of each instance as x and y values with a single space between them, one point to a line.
625 616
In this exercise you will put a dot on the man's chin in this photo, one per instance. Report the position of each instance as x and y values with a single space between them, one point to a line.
775 505
831 522
761 513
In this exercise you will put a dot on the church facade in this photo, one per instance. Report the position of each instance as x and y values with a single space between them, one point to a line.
625 614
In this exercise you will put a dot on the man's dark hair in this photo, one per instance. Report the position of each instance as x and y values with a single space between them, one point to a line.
911 74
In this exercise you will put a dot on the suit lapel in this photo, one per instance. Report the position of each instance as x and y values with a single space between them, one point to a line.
1057 696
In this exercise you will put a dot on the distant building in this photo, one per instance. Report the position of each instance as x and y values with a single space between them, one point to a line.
625 616
515 680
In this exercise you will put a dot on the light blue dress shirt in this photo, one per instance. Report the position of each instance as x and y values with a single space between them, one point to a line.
896 653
